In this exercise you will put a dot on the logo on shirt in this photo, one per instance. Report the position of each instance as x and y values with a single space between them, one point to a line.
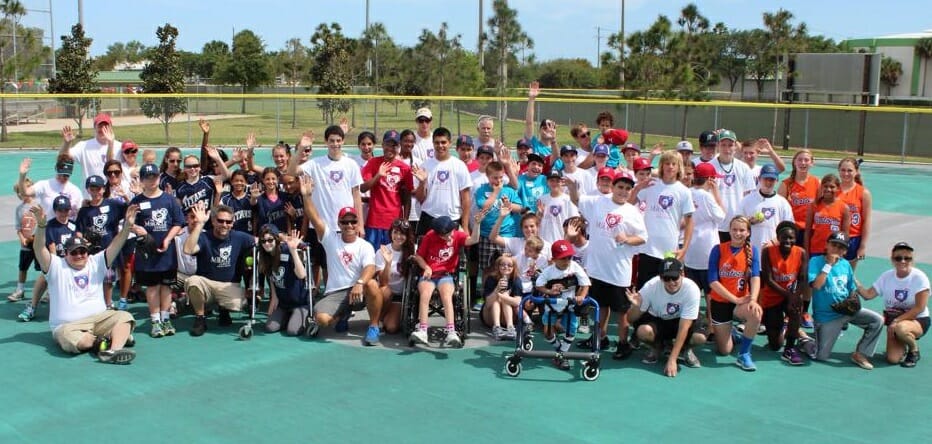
443 175
430 153
768 212
729 179
390 181
672 308
612 220
346 257
278 277
336 176
99 222
223 256
445 254
158 220
555 210
81 281
901 295
665 201
855 218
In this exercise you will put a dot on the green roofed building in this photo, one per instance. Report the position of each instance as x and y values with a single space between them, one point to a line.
915 81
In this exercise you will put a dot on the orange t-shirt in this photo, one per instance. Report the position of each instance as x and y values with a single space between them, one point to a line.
854 198
733 272
800 196
784 271
826 219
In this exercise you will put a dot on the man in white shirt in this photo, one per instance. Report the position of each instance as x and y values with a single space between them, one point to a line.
736 182
445 186
423 140
766 208
92 154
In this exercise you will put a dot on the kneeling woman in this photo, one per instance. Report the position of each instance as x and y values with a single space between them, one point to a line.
784 268
281 262
905 292
392 265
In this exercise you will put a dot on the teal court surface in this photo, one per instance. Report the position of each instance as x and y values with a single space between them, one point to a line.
272 388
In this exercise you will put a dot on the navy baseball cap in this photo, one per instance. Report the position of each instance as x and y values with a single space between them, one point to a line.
74 242
566 149
61 203
148 170
95 181
485 149
769 171
64 168
391 136
464 140
522 142
443 225
600 149
839 238
708 138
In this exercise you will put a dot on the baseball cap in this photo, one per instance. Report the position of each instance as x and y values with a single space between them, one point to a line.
727 134
565 149
631 146
65 168
705 170
600 149
671 267
839 238
95 181
615 136
641 163
129 144
533 157
684 145
707 138
464 140
623 175
555 174
346 211
522 142
902 246
485 149
769 171
61 203
391 136
74 242
606 172
148 170
102 118
562 249
443 225
423 112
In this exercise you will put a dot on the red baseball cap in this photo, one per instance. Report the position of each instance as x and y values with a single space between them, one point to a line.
625 176
129 144
641 163
102 118
705 170
615 136
562 249
606 172
347 211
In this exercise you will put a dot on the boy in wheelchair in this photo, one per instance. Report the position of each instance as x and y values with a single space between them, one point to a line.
438 256
563 281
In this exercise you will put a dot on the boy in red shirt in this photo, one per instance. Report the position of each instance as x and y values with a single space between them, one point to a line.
389 183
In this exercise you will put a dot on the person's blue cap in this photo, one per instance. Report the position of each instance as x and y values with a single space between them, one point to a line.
464 140
485 149
600 149
391 136
523 142
769 171
566 149
61 203
148 170
95 181
443 225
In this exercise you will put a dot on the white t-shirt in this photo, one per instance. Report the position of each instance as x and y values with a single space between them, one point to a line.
334 181
736 181
423 147
75 294
396 282
555 211
666 205
345 262
415 204
684 304
92 156
899 293
187 264
515 246
527 268
569 292
445 180
775 208
585 182
706 219
755 172
611 262
47 190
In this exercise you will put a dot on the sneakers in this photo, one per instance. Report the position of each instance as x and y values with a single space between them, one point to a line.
911 359
808 347
807 321
157 330
690 359
122 305
862 361
745 362
452 339
498 333
342 325
372 336
199 327
419 337
168 328
650 357
511 333
130 341
121 356
586 344
16 295
561 363
478 305
28 314
583 325
791 356
173 310
622 351
224 319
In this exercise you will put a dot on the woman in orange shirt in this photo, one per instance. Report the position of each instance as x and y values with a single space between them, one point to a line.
734 277
783 267
858 198
800 189
828 214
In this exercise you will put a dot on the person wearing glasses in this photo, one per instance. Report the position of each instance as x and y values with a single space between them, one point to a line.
78 317
157 223
129 152
116 188
423 136
197 187
392 266
280 261
98 222
905 292
220 253
93 153
389 182
57 231
171 170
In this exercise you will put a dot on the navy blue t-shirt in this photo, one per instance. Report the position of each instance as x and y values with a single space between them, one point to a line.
58 233
268 212
291 291
242 211
219 259
101 222
297 201
203 190
158 215
168 179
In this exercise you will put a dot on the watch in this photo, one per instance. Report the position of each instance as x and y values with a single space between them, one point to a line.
360 282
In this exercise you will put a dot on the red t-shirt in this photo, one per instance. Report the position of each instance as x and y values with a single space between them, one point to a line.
385 194
472 165
441 256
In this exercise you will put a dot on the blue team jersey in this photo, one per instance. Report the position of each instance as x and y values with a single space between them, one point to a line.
158 215
221 260
839 284
202 190
509 226
100 224
168 180
530 190
58 233
290 291
242 211
269 212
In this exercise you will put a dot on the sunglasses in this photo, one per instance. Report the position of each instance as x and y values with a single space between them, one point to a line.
584 135
670 278
131 151
192 166
906 259
506 266
114 172
78 252
307 150
225 221
268 240
349 222
402 225
174 161
423 120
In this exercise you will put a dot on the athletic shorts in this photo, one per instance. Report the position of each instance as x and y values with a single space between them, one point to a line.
153 278
318 255
721 312
665 330
648 267
889 316
26 257
69 335
378 237
854 243
610 296
488 252
336 303
700 277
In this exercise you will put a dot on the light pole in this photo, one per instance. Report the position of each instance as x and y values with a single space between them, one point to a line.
51 32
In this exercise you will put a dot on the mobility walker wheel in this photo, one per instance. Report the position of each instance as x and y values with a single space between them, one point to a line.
513 367
245 332
590 371
312 327
527 343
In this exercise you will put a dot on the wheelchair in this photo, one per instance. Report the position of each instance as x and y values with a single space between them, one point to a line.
410 300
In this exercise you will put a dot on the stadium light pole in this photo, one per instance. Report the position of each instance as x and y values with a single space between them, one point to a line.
51 32
621 56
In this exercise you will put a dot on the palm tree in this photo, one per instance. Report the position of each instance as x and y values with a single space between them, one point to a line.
890 72
924 51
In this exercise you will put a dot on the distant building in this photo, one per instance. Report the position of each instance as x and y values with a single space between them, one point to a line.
902 48
119 81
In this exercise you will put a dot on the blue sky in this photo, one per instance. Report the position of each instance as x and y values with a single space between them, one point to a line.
558 28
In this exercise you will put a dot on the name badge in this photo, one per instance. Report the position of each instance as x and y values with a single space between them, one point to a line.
145 206
284 257
105 209
71 227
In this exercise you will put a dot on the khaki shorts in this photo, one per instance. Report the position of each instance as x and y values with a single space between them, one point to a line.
228 295
70 334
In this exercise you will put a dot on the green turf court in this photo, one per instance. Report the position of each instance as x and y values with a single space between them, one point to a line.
278 389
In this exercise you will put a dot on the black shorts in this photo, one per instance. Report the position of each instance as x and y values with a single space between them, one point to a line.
648 267
888 318
26 257
152 278
700 277
724 236
608 295
318 255
721 312
773 317
665 330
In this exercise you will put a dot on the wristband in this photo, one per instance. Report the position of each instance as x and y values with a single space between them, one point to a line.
827 269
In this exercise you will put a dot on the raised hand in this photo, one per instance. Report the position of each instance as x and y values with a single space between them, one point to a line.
505 209
131 212
135 187
307 185
533 90
657 149
213 153
633 297
238 155
386 252
293 240
344 125
250 140
289 209
205 125
384 168
200 212
254 191
763 146
307 138
24 166
38 212
67 134
419 173
107 132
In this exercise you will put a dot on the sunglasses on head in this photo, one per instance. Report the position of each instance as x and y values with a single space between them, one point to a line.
906 259
78 252
402 225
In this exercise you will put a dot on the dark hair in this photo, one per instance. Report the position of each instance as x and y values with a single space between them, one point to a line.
406 133
107 177
171 150
407 248
831 178
442 132
268 261
239 173
334 129
365 135
270 170
605 115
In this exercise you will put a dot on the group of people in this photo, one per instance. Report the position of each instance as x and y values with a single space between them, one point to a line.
594 219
